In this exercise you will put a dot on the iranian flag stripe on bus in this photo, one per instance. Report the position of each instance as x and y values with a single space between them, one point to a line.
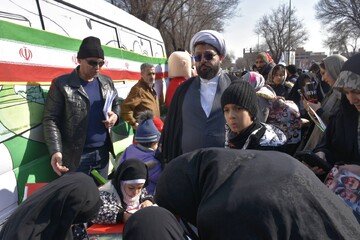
44 56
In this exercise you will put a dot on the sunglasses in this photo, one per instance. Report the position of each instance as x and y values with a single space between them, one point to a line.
94 63
206 56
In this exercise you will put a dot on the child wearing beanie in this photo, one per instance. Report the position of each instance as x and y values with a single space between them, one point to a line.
243 129
146 142
124 194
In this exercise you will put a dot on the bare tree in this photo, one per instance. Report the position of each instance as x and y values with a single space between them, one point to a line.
241 64
342 18
227 63
179 20
274 28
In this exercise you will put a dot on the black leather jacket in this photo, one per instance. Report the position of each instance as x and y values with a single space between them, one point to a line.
65 116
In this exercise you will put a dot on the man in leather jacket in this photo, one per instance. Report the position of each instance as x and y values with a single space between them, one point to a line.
76 130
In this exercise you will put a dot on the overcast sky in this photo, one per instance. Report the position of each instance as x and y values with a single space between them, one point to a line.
239 32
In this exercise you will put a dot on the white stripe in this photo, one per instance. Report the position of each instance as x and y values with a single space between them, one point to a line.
56 57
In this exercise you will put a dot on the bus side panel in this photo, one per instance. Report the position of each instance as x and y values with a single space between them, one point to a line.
29 60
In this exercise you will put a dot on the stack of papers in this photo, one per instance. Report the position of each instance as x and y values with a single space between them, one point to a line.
110 96
316 119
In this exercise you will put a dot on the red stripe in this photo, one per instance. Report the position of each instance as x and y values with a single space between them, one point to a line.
41 74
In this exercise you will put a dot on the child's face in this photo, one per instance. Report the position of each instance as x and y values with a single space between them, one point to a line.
133 189
279 77
237 118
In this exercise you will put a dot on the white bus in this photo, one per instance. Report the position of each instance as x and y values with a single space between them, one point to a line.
39 40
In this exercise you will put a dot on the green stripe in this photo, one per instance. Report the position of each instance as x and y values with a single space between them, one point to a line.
34 36
15 32
119 53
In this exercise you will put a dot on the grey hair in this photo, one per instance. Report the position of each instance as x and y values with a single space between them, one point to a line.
146 65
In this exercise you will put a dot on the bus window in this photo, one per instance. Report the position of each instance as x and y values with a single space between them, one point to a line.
130 41
15 18
73 23
158 50
108 33
24 13
145 47
137 47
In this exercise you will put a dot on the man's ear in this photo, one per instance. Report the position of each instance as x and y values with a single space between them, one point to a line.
222 57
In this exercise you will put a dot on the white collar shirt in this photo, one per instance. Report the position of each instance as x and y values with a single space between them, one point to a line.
207 93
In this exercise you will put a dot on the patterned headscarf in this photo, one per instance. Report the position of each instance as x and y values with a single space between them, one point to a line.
256 80
349 76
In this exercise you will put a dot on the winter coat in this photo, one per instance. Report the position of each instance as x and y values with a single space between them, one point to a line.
258 136
66 116
141 97
112 207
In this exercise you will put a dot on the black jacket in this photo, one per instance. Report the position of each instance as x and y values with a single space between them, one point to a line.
171 137
250 194
340 142
66 116
49 212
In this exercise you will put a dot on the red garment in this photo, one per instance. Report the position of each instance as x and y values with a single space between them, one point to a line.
174 83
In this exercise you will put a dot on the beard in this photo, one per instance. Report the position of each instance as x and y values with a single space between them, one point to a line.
207 71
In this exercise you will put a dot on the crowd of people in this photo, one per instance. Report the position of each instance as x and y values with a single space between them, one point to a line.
220 166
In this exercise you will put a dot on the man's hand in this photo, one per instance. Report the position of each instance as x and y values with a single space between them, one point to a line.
56 163
110 122
135 125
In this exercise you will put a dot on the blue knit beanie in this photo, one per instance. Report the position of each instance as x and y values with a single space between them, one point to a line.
147 132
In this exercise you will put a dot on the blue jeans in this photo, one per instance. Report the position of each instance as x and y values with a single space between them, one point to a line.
94 158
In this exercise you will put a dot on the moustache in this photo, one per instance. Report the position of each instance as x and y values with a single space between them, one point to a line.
204 65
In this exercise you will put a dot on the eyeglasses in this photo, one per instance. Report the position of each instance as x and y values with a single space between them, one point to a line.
94 63
206 56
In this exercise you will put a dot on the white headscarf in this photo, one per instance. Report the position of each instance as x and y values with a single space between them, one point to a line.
131 202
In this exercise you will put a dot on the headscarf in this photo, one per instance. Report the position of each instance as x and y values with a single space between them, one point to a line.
50 211
331 102
270 79
333 65
349 76
130 171
249 194
153 223
210 37
258 82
